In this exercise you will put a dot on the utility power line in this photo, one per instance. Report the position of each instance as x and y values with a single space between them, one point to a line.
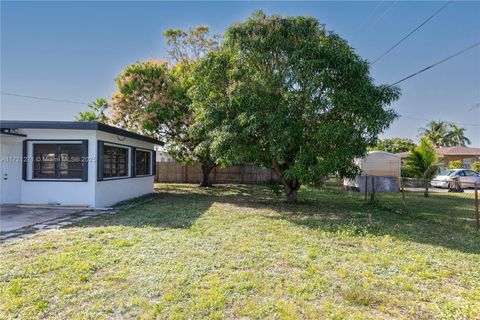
42 98
412 32
437 63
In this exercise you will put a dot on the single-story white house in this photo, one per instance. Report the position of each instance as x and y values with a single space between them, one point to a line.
73 163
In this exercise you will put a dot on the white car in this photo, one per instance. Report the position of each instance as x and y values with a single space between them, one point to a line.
466 177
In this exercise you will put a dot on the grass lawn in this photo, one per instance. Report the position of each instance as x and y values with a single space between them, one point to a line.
241 252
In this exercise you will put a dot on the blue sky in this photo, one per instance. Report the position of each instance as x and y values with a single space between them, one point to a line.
74 50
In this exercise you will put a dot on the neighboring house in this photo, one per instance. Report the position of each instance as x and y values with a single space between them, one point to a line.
382 165
162 156
73 163
466 155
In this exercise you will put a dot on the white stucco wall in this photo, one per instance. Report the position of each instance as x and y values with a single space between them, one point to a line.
91 193
67 192
109 192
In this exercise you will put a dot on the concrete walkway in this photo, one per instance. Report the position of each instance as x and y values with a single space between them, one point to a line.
20 222
14 218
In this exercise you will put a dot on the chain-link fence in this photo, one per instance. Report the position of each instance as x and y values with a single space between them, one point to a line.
454 198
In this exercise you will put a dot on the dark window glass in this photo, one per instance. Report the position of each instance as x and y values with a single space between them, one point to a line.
115 162
57 161
142 163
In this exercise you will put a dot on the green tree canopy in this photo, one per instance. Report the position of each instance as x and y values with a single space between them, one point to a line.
151 98
394 145
436 132
287 94
97 112
146 100
190 45
456 136
442 134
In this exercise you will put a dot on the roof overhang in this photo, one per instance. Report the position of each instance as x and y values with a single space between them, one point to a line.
8 132
6 125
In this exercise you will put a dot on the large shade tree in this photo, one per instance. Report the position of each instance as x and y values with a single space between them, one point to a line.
285 93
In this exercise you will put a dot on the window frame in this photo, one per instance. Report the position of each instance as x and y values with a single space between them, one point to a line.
28 161
131 160
127 164
149 165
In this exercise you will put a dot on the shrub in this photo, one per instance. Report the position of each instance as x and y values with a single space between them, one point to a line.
457 164
475 166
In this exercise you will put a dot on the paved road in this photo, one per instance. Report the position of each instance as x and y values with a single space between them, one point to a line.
436 190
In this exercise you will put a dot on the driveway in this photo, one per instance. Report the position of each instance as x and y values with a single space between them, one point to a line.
13 218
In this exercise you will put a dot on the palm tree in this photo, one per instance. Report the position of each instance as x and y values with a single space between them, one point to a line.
457 137
96 112
436 132
422 162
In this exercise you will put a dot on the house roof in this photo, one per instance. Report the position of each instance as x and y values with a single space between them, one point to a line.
403 154
458 151
74 125
450 151
385 153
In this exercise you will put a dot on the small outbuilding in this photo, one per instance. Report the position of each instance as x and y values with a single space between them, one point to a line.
73 163
384 166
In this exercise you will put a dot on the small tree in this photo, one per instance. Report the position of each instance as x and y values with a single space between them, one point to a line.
421 163
97 112
475 166
151 98
289 95
457 164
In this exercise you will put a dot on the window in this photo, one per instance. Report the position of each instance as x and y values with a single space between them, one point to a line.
471 173
57 161
115 162
142 162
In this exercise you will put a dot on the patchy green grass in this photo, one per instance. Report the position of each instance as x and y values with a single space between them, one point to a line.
241 252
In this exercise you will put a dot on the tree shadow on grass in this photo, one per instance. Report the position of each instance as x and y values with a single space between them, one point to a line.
180 206
444 224
161 210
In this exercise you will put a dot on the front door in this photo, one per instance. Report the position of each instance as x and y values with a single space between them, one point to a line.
10 170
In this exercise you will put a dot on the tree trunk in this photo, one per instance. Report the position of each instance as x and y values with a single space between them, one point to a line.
425 194
291 188
206 169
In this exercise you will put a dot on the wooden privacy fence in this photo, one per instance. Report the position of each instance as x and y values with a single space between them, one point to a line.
248 174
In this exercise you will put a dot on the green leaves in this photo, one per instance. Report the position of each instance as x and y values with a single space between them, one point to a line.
442 134
97 112
285 90
422 160
394 145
